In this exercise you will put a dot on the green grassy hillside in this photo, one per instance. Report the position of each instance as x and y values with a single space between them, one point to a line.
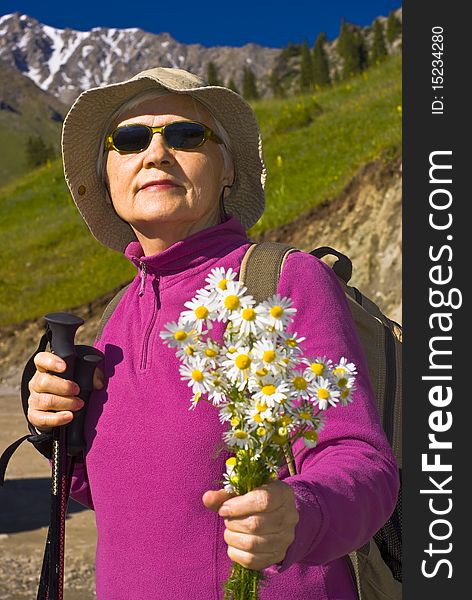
312 145
25 110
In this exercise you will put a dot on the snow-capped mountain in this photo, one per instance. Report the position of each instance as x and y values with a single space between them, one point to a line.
64 62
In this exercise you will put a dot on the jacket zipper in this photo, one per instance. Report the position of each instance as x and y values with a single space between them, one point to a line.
150 326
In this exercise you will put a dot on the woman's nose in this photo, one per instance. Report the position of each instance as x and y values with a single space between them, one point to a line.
158 153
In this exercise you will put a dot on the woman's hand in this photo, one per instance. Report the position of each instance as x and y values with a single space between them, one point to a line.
51 393
260 525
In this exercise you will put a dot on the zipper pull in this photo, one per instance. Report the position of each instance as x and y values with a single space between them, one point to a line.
143 278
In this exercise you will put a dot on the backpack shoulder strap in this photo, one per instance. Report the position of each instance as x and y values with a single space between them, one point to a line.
109 309
261 268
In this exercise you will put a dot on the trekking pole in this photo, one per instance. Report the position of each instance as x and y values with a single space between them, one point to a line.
62 327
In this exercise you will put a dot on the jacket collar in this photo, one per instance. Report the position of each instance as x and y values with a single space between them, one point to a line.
193 250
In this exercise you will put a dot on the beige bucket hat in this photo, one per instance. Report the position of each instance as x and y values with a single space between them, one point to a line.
85 128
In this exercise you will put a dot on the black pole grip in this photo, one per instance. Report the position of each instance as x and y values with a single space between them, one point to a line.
87 360
63 327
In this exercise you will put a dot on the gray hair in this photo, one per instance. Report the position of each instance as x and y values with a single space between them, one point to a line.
153 94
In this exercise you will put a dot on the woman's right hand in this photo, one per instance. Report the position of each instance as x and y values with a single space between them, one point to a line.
48 392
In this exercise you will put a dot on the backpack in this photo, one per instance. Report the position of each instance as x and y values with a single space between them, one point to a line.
377 566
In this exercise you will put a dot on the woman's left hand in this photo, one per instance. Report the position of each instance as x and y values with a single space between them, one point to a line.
260 525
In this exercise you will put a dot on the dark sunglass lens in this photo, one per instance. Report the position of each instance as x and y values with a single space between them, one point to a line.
184 135
132 138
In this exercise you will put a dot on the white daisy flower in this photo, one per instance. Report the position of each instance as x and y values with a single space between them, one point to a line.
319 367
218 278
272 391
346 394
238 437
226 411
343 368
260 413
324 393
216 393
210 351
202 311
268 357
178 335
197 375
238 365
292 342
247 319
278 312
305 413
232 299
300 386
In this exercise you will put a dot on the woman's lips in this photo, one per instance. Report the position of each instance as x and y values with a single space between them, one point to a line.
163 184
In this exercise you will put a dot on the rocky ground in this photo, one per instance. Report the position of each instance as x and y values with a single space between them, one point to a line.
364 222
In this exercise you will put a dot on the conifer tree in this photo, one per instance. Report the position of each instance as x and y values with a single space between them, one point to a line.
351 48
361 48
378 51
232 86
394 27
249 84
37 152
212 74
306 69
320 62
276 84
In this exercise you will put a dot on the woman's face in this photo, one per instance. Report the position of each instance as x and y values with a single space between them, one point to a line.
189 200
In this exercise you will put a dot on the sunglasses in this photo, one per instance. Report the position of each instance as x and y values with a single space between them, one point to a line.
181 135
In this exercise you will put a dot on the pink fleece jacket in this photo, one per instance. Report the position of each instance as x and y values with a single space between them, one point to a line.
149 459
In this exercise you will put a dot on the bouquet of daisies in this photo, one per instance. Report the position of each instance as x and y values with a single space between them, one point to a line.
267 393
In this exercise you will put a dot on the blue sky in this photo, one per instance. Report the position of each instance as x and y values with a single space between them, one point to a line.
212 23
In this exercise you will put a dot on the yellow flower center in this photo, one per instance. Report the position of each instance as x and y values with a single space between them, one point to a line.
342 382
232 350
240 434
345 393
261 431
201 312
222 284
282 431
268 390
311 435
299 383
231 302
231 462
276 311
268 356
249 314
291 342
261 372
242 361
339 371
261 406
180 335
323 393
190 350
197 375
317 368
257 418
235 421
286 420
210 352
305 415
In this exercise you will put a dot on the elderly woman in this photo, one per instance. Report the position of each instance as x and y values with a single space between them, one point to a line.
169 171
